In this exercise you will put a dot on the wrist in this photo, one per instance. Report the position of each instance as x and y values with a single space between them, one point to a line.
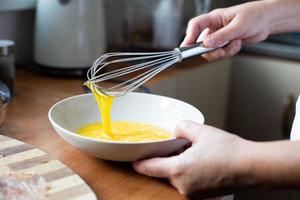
244 164
268 164
283 15
272 9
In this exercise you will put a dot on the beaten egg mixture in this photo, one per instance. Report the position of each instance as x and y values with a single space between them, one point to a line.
119 130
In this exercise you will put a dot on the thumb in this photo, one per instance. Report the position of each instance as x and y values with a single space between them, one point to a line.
188 130
223 35
203 35
156 167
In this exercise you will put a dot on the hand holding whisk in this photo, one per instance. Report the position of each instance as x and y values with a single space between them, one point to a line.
137 68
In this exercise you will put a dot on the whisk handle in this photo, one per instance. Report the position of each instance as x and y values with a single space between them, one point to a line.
196 49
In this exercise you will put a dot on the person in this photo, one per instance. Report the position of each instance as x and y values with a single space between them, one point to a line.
218 162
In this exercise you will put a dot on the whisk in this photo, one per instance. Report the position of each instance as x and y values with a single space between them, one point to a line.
134 69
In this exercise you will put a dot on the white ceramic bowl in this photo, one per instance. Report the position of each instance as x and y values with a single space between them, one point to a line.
74 112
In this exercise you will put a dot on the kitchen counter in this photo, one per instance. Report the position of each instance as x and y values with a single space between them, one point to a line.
27 121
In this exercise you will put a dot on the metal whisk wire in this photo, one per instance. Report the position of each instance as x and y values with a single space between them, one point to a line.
154 63
147 65
101 63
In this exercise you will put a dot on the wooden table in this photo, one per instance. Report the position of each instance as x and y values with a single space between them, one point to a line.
27 121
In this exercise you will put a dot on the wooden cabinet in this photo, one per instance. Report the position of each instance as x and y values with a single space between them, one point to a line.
260 89
205 87
252 96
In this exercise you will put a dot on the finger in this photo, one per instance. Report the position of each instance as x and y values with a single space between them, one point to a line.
214 55
156 167
225 34
203 35
188 130
232 48
195 26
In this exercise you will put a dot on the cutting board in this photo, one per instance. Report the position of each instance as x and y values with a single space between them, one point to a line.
62 182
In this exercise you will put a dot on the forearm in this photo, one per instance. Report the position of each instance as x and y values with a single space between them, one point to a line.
284 16
270 164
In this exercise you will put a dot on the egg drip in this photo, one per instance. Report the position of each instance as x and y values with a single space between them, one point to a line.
118 130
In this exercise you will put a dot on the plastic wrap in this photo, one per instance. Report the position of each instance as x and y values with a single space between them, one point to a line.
22 187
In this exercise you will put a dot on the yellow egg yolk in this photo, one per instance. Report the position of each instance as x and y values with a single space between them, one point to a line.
125 132
118 130
104 103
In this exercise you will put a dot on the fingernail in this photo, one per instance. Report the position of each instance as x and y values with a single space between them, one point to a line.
135 165
183 42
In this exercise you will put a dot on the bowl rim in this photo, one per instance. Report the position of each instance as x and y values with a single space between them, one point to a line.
52 121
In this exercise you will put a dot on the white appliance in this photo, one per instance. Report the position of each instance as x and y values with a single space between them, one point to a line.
69 34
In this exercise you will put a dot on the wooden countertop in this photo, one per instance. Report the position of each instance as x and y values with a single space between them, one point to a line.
27 121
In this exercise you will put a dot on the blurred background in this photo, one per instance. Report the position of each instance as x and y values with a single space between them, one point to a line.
129 24
252 94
